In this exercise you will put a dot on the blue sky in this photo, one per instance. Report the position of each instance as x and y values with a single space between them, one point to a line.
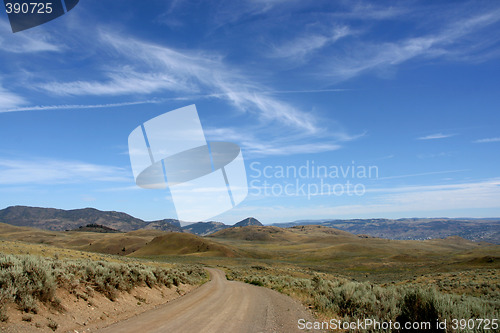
410 88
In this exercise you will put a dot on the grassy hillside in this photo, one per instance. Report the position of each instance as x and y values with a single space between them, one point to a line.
33 275
110 243
324 249
184 244
316 248
336 273
139 242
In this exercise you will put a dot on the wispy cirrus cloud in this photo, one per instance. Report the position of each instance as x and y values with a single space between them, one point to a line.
359 10
393 202
461 38
76 106
50 171
230 11
298 49
253 146
435 136
487 140
9 99
23 42
423 174
146 68
119 82
481 194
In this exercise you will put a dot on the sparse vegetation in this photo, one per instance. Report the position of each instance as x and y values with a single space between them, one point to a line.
336 274
332 297
27 279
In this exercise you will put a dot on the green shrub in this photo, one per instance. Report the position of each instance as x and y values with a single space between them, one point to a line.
419 306
256 283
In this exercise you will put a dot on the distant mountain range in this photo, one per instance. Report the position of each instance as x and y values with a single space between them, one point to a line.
207 228
60 220
479 230
487 230
81 219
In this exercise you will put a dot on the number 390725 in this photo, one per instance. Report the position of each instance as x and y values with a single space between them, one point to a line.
29 8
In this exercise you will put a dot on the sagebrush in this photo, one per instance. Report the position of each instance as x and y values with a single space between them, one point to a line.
27 279
350 300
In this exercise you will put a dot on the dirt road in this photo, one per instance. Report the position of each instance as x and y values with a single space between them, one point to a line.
220 306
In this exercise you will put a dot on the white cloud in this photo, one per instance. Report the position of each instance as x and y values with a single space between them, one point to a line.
371 11
487 140
483 194
150 68
423 174
435 136
387 202
233 11
10 100
435 155
460 40
45 171
26 42
260 149
119 82
252 146
302 46
78 106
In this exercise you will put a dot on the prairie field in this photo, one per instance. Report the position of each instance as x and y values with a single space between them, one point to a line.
334 273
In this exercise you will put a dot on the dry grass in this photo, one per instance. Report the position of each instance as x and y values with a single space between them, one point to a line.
323 249
335 297
184 244
82 241
336 273
30 279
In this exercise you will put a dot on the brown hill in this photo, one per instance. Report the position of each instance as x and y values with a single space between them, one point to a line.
337 248
184 244
109 243
310 233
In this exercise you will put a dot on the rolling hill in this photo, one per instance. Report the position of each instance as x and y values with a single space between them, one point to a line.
184 244
109 243
309 247
138 242
487 230
323 248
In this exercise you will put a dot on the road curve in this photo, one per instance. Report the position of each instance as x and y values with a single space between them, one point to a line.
220 306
